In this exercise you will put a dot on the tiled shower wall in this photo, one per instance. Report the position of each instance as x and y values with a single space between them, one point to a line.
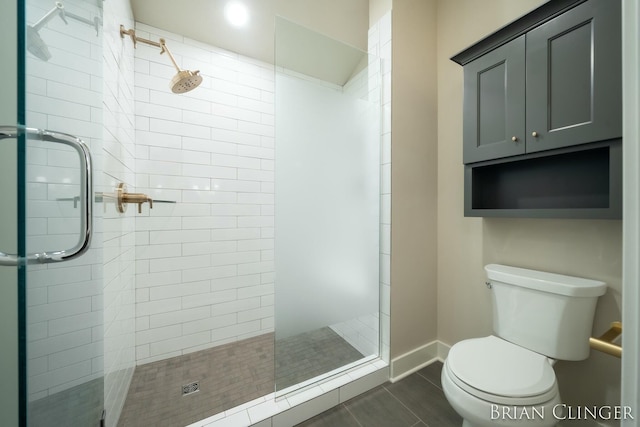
81 324
64 300
380 46
119 229
204 269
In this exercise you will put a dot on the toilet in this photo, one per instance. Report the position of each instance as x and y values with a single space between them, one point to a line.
507 379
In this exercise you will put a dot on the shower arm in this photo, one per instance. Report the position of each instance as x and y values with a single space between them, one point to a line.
161 44
166 49
59 10
95 23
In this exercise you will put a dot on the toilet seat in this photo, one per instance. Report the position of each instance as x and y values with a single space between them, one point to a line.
498 371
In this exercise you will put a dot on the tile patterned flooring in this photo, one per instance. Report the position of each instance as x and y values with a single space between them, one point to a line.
77 406
228 375
310 354
417 400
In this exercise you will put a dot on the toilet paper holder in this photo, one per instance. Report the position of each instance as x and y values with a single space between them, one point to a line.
605 343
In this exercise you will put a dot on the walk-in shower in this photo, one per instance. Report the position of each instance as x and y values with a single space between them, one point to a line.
252 272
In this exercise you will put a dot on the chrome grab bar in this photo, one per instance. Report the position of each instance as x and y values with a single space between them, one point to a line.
13 132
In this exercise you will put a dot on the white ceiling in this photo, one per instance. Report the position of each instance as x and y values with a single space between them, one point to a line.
203 20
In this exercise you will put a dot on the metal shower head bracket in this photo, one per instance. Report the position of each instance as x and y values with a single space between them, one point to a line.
135 39
59 10
161 44
185 80
37 46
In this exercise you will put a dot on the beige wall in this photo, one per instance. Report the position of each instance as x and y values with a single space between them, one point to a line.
413 175
377 9
587 248
463 304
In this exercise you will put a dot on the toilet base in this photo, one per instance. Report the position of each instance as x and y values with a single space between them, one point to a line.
480 413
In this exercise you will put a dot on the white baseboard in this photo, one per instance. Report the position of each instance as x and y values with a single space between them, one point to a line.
443 350
417 359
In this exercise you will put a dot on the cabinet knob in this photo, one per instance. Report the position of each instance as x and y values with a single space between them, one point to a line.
534 134
514 138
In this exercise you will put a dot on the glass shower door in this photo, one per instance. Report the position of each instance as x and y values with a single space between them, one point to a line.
327 204
52 258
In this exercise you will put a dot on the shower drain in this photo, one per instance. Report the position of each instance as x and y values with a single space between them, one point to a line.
190 388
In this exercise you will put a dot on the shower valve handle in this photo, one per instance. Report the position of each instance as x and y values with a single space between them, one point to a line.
138 198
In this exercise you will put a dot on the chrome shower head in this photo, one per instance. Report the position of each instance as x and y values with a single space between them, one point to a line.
185 81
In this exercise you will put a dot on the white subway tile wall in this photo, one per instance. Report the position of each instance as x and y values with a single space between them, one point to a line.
380 46
119 163
205 263
64 301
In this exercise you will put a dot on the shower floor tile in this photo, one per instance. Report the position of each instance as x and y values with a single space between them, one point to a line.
307 355
228 376
77 406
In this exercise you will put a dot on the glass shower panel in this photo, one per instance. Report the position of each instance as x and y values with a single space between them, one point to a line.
327 187
64 296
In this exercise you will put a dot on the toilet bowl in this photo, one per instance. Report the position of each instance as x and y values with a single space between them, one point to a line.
507 379
492 382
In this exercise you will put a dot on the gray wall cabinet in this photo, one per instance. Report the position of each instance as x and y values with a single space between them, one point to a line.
556 86
574 77
494 104
543 114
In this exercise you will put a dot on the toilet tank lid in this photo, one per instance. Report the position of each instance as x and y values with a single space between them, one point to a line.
546 282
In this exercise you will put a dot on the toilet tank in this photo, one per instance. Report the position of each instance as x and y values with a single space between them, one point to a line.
548 313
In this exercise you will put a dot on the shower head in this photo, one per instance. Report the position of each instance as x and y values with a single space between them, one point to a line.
36 45
185 81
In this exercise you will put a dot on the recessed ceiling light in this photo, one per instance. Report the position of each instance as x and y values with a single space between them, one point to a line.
236 13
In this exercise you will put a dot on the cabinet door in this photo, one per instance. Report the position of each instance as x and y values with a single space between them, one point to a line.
494 103
574 77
